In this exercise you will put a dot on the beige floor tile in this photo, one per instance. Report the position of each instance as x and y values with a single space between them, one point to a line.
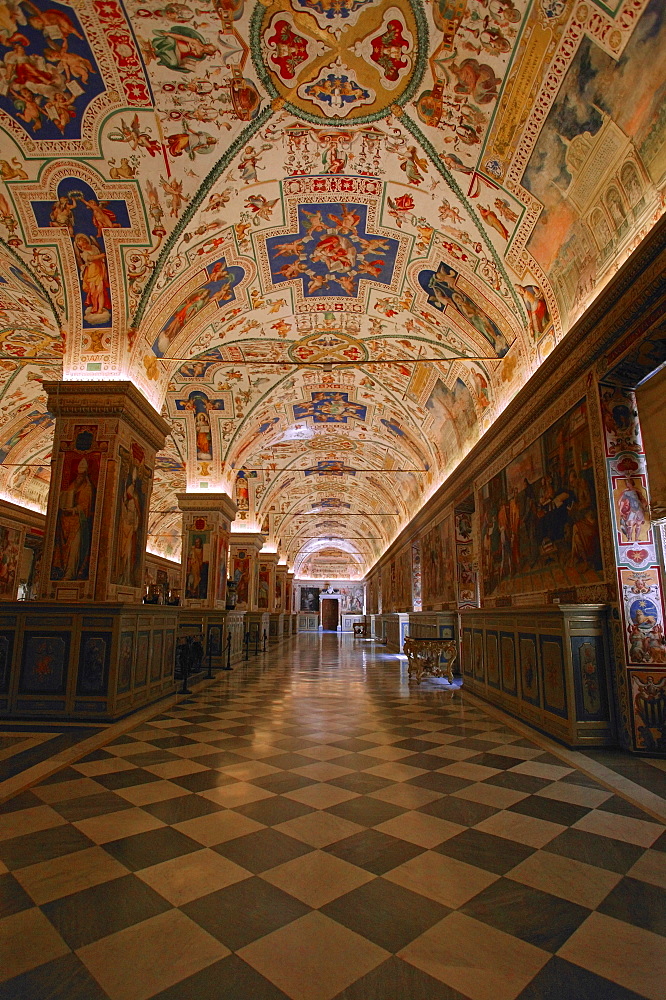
62 876
564 877
322 771
60 791
407 796
537 770
627 828
525 829
190 876
319 829
321 796
110 765
490 795
651 867
152 791
165 723
257 752
239 794
113 826
464 769
246 772
443 879
24 821
477 960
27 939
440 738
317 878
218 827
395 771
388 753
578 795
628 955
175 768
420 829
382 737
313 958
146 958
3 868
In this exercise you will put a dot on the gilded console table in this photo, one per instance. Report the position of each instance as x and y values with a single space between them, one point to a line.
424 656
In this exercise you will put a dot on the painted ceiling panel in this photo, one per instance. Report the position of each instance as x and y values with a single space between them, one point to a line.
328 241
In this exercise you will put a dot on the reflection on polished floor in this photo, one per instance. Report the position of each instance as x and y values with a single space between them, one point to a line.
312 828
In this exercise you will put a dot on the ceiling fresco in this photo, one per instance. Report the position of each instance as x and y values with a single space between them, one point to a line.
328 241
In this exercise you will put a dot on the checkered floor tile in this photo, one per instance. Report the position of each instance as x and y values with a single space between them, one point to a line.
318 830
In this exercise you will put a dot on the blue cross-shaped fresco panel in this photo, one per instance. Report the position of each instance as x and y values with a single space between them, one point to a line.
329 408
332 467
332 251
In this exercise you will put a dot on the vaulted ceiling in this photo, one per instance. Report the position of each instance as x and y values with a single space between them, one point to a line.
330 240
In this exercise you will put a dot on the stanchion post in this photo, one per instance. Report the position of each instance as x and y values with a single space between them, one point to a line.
209 675
228 665
185 664
264 645
256 641
247 645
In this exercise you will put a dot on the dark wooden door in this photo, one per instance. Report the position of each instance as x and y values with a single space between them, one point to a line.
329 614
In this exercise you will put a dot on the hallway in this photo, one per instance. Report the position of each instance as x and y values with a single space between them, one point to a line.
309 827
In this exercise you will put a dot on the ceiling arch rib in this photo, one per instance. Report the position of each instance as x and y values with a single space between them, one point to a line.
330 241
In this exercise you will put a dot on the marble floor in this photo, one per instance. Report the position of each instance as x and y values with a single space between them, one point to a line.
310 827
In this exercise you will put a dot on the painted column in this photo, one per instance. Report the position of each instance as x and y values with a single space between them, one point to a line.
244 551
207 521
106 437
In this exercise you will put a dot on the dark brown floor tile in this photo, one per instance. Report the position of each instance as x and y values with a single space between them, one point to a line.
262 850
13 897
64 774
181 808
483 850
168 742
360 782
104 909
637 903
146 849
550 809
418 746
366 811
386 913
520 782
42 846
26 800
202 781
282 782
64 978
560 980
243 912
471 743
125 779
91 805
445 784
537 917
578 778
616 804
292 743
353 744
498 760
288 761
458 810
219 759
428 761
356 761
275 810
660 843
151 757
229 979
614 855
397 980
376 852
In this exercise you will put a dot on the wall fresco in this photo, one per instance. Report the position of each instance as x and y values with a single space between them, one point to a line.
539 521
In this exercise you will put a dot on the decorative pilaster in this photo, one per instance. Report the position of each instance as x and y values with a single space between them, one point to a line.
106 437
207 521
244 551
